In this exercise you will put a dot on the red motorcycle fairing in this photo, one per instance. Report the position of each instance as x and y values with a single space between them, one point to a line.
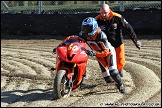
72 53
61 52
82 71
71 61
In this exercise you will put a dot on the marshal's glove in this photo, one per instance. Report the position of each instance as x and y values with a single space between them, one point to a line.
91 53
138 44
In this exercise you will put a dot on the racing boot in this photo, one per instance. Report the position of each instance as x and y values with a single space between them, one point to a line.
118 81
121 88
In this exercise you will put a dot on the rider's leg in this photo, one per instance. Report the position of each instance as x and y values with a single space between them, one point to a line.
106 74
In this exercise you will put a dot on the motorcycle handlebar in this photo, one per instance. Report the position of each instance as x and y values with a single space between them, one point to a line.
53 52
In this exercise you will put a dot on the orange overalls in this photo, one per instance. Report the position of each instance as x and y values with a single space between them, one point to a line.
113 27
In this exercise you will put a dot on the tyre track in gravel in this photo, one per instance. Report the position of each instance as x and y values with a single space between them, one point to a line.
20 88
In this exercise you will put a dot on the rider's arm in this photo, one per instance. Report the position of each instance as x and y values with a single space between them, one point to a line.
103 42
105 52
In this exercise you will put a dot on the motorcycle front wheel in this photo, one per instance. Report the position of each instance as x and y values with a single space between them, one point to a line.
62 86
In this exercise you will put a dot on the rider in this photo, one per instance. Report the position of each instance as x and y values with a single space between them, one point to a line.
102 50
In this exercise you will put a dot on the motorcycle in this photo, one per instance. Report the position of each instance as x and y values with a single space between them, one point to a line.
70 68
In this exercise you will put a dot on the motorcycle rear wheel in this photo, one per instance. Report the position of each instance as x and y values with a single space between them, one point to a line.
61 87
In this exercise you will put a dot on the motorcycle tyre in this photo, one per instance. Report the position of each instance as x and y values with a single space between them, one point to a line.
56 87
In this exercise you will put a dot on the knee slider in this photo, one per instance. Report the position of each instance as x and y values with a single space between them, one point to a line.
114 73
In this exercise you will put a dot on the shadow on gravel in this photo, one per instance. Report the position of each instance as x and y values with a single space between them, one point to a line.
110 88
26 96
40 94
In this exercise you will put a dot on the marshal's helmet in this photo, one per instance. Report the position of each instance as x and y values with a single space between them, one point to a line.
89 26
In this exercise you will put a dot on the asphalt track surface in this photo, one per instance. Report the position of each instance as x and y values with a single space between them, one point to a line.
27 81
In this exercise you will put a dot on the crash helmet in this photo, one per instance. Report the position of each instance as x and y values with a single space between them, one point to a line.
89 26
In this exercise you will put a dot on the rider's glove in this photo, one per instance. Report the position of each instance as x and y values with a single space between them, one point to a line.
90 53
138 44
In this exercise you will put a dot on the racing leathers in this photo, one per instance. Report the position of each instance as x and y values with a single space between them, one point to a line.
105 55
